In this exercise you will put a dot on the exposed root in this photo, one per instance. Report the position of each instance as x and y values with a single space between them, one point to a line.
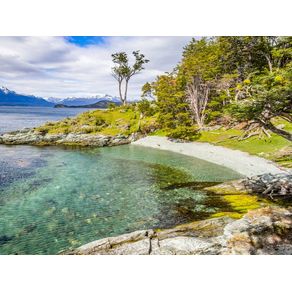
254 129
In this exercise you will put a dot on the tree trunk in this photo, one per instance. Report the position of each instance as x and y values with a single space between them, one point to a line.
287 117
120 91
277 131
269 62
126 92
197 97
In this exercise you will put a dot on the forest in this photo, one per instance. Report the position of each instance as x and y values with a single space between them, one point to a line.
224 80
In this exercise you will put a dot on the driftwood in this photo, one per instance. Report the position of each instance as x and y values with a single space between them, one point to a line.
271 185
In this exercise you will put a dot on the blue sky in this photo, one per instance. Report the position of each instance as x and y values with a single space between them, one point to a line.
84 41
80 66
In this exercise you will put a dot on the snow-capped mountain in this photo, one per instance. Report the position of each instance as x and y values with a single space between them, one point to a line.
79 101
11 98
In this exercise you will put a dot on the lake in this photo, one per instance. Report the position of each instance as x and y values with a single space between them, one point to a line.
57 198
16 117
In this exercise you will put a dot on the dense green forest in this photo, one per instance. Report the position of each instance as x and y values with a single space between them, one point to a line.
223 80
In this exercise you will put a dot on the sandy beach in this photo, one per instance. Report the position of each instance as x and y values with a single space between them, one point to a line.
241 162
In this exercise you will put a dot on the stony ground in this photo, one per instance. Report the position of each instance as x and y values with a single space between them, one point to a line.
242 162
263 231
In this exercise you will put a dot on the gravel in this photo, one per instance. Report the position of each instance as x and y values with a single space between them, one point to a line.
241 162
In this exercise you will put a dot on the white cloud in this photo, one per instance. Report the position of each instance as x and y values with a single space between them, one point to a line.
53 67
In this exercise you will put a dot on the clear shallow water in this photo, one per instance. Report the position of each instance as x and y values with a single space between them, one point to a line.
53 199
15 118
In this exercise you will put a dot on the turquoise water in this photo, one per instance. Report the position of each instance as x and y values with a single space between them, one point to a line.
52 199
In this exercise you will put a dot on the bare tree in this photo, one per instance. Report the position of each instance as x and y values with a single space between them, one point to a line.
197 97
123 72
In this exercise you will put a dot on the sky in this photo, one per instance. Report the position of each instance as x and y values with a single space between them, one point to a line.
77 66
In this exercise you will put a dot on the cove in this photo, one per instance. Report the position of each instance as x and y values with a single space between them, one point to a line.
53 198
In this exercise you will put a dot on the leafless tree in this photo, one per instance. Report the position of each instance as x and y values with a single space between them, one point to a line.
198 97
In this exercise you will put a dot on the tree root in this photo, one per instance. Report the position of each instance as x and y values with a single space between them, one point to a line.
254 129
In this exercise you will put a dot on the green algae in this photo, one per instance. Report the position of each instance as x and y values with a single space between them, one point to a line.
240 205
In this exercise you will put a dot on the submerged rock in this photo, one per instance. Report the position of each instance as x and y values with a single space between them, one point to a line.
32 137
263 231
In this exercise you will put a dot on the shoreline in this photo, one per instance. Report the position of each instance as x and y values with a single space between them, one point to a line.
241 162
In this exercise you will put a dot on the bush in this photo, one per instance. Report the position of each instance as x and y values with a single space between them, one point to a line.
112 105
184 133
100 121
145 108
148 127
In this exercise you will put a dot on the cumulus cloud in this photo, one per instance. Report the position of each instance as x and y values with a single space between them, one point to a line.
54 67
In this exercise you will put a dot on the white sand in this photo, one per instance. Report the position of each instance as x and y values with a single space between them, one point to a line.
242 162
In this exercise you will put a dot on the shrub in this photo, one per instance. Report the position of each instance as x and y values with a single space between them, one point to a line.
99 121
184 133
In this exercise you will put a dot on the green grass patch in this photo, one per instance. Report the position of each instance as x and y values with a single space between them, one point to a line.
107 122
267 147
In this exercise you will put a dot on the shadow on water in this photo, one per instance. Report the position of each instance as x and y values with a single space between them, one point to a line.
199 205
194 185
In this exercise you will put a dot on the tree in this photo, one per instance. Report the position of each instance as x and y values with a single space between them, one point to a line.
199 69
248 77
173 109
271 97
198 95
123 72
147 90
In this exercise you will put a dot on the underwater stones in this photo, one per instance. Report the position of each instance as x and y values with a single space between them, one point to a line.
263 231
5 238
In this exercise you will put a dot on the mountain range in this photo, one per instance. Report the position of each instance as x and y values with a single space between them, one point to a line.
80 101
11 98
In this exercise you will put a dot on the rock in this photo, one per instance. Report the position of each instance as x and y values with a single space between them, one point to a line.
263 231
280 126
32 137
266 185
212 128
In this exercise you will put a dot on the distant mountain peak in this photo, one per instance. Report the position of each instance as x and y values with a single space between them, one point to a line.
5 90
11 98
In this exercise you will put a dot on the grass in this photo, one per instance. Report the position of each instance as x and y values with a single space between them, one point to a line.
275 148
106 122
253 145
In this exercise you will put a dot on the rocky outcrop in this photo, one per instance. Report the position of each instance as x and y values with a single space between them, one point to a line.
263 231
266 185
32 137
